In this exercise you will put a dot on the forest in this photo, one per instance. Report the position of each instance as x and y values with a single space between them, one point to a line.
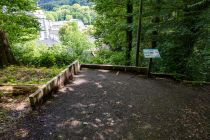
117 92
50 4
179 29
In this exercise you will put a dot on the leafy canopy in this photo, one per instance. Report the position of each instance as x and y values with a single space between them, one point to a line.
16 20
50 4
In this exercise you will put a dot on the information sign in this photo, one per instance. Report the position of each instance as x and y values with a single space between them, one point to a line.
151 53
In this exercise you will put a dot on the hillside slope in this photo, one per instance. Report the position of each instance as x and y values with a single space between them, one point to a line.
50 4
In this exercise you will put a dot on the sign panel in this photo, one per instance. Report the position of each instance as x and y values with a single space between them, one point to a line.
151 53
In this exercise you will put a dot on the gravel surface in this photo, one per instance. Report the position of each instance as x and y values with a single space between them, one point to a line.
104 105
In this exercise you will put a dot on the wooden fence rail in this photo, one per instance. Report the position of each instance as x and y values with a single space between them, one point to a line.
41 94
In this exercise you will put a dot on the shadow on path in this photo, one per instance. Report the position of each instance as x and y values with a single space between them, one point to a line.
104 105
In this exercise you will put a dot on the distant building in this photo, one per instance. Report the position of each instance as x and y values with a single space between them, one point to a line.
4 9
54 27
49 33
44 24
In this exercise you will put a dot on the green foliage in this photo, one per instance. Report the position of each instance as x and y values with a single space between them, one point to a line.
183 33
1 95
67 12
73 45
198 64
30 54
27 75
184 39
50 4
16 21
182 26
107 57
111 23
76 40
47 59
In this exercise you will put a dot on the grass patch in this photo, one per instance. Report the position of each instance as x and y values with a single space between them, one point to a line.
27 75
1 94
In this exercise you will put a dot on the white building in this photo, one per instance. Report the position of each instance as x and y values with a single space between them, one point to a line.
49 33
54 27
44 24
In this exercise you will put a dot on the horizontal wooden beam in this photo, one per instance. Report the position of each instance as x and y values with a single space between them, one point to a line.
177 77
133 69
41 94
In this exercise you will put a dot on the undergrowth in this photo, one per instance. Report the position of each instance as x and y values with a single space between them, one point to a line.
27 75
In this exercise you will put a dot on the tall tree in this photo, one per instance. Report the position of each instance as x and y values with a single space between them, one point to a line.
16 25
139 32
129 31
114 25
179 29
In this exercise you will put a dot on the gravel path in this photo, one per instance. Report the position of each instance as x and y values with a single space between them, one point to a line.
103 105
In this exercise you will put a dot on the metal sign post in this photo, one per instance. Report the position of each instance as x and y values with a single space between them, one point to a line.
151 54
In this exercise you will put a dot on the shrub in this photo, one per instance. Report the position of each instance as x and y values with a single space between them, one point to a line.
58 55
107 57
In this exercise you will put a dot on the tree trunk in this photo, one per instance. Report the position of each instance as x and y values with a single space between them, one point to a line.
6 56
156 21
138 44
129 32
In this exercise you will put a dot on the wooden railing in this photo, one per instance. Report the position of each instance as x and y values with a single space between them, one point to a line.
45 91
133 69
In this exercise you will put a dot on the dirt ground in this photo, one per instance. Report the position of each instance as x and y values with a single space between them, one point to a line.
103 105
14 103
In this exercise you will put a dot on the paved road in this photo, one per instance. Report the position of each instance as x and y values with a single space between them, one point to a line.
103 105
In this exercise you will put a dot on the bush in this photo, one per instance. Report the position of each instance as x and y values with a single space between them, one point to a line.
58 55
47 59
107 57
73 44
